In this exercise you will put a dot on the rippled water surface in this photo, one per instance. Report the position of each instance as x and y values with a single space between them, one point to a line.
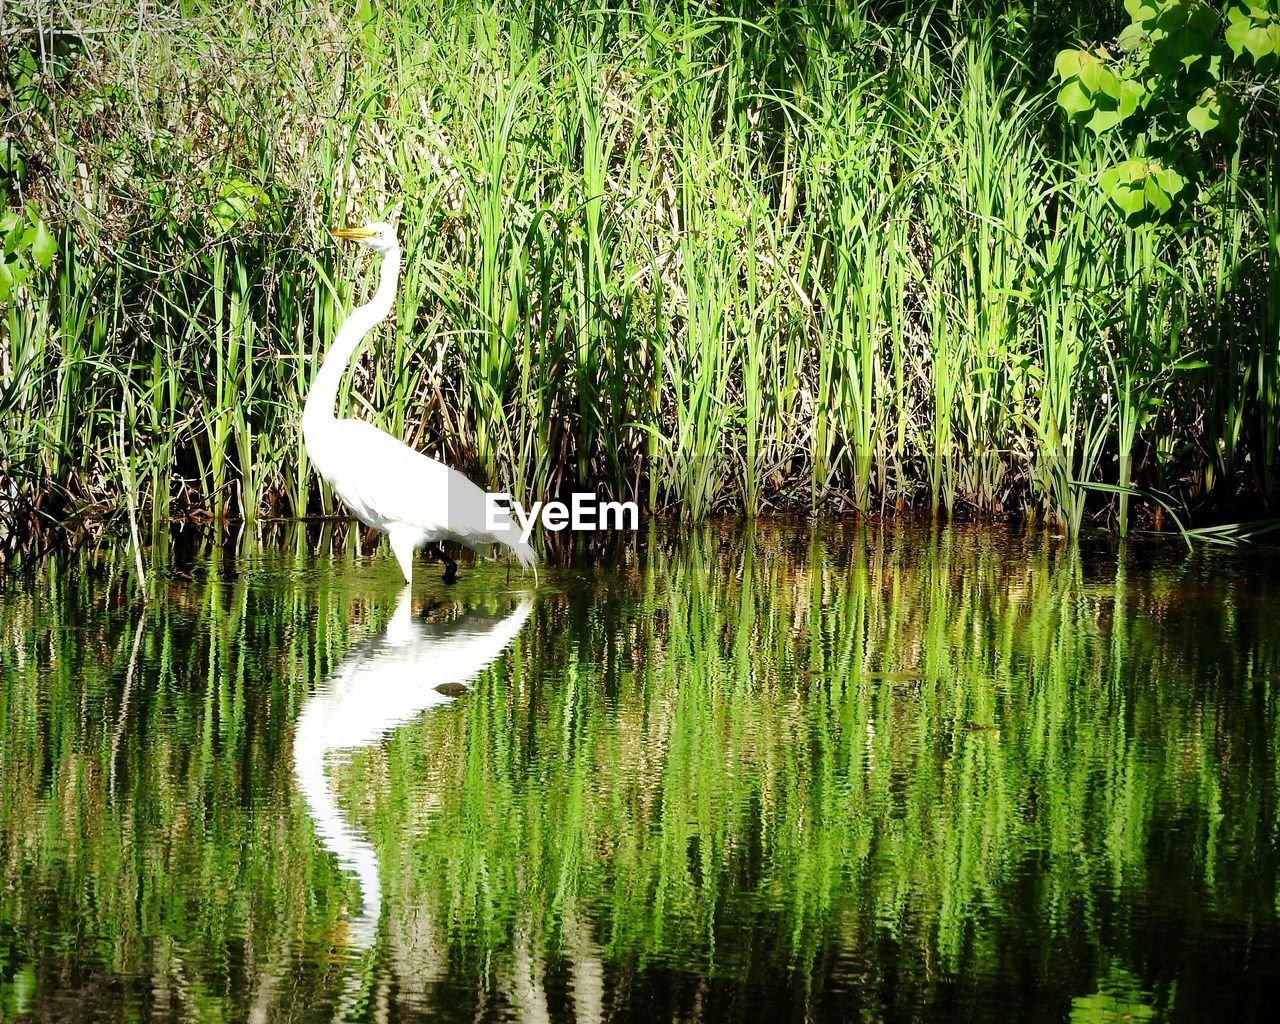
818 774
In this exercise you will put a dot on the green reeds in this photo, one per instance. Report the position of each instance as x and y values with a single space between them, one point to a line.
823 259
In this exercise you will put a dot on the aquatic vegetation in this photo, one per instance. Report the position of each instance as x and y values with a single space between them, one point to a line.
775 769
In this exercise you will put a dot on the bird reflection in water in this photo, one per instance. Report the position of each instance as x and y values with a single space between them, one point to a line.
383 684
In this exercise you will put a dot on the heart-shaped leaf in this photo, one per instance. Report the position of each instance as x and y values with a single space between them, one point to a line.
1156 197
1124 185
1241 25
1106 115
1068 63
1144 12
1215 112
1204 118
1259 43
1169 179
1074 100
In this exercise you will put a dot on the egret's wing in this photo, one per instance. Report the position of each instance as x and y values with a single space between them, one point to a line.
405 486
392 480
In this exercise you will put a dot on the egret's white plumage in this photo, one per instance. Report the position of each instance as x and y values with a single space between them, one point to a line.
414 499
379 686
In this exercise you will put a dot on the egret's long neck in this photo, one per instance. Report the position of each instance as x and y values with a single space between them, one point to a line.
324 389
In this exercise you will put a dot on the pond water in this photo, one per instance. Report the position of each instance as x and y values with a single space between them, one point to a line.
810 773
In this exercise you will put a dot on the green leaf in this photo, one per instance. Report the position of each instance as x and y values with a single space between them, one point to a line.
1131 97
1237 31
1069 62
1108 83
1259 43
1127 171
1180 50
1203 19
43 246
1090 73
1156 197
1124 186
11 161
366 19
1131 200
237 202
1074 100
1133 37
1203 118
1170 178
13 275
1142 189
15 239
1144 12
1173 17
1106 115
1215 112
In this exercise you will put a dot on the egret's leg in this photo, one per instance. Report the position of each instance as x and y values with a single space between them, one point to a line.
402 548
450 566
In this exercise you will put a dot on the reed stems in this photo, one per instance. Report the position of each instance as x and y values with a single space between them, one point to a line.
811 256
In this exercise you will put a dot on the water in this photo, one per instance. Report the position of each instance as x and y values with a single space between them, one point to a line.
788 773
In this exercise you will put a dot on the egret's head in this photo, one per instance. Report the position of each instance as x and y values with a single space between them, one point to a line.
378 236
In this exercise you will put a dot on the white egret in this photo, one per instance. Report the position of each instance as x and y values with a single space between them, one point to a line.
414 499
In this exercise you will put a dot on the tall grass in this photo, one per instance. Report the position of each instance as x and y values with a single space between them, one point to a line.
833 256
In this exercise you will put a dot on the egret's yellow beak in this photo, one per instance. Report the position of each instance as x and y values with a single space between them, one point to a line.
356 234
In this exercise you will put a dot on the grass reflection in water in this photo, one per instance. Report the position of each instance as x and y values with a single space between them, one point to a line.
822 773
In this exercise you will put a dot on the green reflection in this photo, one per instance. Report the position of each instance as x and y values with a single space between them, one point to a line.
823 774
